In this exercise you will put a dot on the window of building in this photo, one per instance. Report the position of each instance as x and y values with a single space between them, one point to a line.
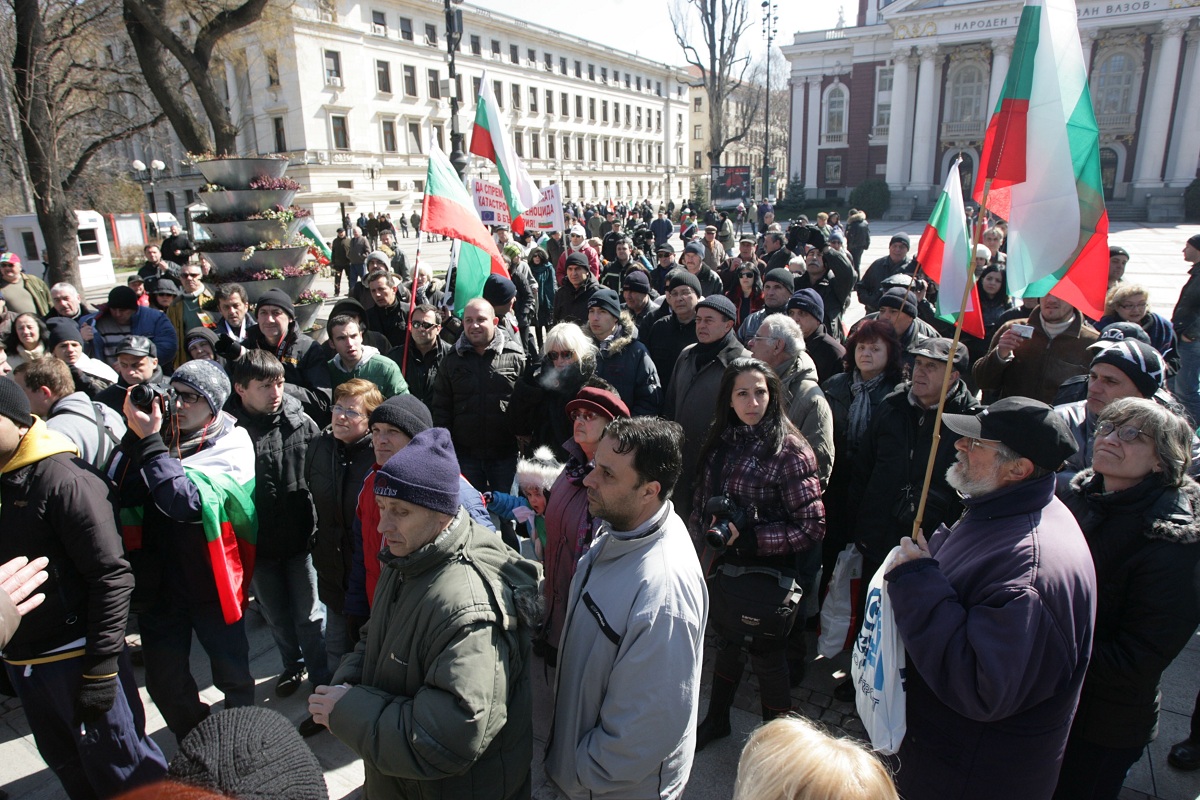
383 77
388 128
883 101
406 29
658 153
393 186
341 133
439 136
968 94
1115 85
535 144
658 120
833 170
592 149
548 62
639 117
604 74
533 100
640 152
697 160
628 116
564 107
410 81
476 45
579 147
578 69
626 80
378 23
697 132
562 65
607 150
639 82
495 48
591 109
476 83
697 102
566 147
433 82
616 113
549 102
629 152
591 72
498 93
578 106
658 88
531 57
414 138
516 96
679 124
333 67
834 119
345 184
514 54
272 69
431 34
519 143
604 111
551 146
280 134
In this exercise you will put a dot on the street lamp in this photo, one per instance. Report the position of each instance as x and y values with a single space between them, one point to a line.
155 166
453 36
669 171
373 171
770 21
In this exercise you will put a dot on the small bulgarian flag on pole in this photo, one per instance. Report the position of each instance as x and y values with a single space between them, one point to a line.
490 140
448 209
1040 165
309 229
945 256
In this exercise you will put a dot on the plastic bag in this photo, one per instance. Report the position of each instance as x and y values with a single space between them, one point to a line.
839 617
877 667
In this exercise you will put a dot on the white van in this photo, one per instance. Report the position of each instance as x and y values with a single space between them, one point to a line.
24 237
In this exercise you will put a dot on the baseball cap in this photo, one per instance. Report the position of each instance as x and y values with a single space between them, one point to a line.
1028 427
1117 332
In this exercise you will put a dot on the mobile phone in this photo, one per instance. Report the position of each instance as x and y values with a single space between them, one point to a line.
1024 331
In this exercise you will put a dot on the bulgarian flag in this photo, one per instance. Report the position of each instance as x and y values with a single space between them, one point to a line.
224 475
1041 164
449 210
945 256
490 140
320 250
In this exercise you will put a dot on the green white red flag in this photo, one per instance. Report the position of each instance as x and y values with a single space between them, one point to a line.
1041 157
945 257
448 209
490 140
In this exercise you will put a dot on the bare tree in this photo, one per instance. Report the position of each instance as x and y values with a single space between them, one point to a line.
73 97
721 65
164 54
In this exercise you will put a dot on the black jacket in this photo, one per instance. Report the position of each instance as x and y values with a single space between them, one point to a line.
827 354
571 304
834 289
1145 543
665 340
286 518
1186 317
422 369
539 406
869 288
335 472
624 362
472 392
59 507
391 321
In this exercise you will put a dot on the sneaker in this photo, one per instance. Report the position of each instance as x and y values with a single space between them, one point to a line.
289 682
309 727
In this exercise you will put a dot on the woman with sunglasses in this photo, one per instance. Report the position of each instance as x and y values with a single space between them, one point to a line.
756 459
569 525
538 410
1138 509
746 294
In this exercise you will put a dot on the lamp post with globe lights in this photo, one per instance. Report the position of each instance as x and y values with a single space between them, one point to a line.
770 23
150 170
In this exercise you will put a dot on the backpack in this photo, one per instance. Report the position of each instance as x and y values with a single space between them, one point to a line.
104 434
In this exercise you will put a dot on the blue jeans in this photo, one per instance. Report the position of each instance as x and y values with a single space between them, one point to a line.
1187 379
337 638
286 588
356 273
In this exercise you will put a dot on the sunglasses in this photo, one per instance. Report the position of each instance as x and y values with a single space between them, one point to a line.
560 355
1126 433
747 275
424 326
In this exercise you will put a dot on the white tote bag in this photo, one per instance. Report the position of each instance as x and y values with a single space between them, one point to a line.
838 620
877 667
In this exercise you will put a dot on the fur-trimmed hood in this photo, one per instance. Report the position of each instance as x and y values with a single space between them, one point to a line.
1173 516
625 333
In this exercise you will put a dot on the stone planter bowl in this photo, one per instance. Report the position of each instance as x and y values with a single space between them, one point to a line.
236 173
226 263
291 286
247 201
251 231
306 315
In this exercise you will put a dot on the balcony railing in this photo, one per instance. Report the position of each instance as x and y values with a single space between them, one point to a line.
833 138
962 130
1116 123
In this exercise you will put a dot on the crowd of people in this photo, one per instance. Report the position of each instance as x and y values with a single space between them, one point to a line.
568 477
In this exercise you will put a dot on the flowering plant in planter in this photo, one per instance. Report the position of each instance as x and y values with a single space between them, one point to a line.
275 184
311 297
275 274
299 240
278 214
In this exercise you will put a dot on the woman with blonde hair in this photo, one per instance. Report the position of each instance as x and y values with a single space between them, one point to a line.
791 759
1129 302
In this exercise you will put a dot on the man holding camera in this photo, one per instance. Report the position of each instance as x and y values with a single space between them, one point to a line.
187 492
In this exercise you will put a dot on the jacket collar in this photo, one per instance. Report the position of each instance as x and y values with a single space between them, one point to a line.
445 546
1026 497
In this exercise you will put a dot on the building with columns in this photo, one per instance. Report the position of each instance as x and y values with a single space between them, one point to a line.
911 86
355 92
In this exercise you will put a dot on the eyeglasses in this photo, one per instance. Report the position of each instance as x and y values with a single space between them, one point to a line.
424 326
1126 433
762 338
191 398
192 275
580 414
348 413
560 355
1131 306
975 444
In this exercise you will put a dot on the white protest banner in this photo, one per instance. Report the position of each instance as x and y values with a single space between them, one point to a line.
490 202
547 215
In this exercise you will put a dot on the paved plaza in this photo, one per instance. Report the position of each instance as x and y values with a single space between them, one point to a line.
1156 262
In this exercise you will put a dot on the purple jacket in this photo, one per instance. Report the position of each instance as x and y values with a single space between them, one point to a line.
998 631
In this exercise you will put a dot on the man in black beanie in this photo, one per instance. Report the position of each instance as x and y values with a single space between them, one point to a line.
869 286
436 697
67 662
778 285
670 334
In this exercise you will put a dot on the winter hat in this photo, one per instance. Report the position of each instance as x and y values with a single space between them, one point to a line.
405 412
695 247
122 297
836 236
681 277
606 300
577 230
808 301
900 237
13 403
425 472
982 251
636 281
1194 240
197 334
781 276
381 257
1118 332
162 285
142 346
901 300
278 298
206 378
1114 250
62 330
499 290
607 404
350 307
578 259
251 753
541 470
719 303
1140 362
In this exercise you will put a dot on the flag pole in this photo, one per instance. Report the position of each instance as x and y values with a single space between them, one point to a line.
412 299
941 408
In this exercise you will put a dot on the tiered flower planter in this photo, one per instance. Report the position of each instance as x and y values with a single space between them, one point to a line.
253 232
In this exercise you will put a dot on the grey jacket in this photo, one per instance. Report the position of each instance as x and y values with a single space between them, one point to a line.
75 417
809 411
629 666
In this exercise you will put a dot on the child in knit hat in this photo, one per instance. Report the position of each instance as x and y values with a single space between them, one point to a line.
534 478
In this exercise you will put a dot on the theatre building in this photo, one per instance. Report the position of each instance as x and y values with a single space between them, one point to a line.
912 85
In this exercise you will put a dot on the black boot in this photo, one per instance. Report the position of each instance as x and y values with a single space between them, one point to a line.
716 722
769 713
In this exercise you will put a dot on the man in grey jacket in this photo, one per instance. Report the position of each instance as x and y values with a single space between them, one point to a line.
94 427
632 646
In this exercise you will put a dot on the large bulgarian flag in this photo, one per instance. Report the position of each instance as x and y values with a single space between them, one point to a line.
945 256
449 210
1041 164
490 140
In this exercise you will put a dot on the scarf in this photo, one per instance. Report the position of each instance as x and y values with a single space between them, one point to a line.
706 353
860 406
188 443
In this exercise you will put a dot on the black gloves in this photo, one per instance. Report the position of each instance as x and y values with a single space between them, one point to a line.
227 348
97 690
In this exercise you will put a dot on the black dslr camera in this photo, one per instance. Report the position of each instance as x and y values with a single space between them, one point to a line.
800 234
142 396
642 237
725 511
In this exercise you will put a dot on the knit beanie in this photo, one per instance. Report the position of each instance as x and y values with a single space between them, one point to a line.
425 473
498 289
902 238
577 259
606 300
808 301
782 276
14 404
405 412
681 277
381 257
1140 362
207 379
695 247
62 330
1194 240
636 281
122 297
200 333
721 304
251 753
901 300
278 298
